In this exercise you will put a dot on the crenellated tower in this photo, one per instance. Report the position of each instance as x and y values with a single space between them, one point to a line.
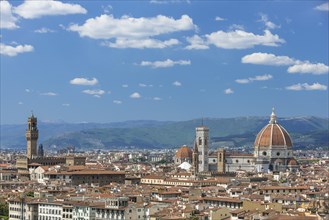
32 135
195 159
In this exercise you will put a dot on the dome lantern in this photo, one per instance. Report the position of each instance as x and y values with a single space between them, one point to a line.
273 117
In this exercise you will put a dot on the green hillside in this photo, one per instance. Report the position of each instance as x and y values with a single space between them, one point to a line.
223 132
232 132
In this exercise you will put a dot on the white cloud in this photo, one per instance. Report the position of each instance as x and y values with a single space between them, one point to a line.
157 99
20 103
261 78
140 43
268 24
7 19
118 102
44 30
130 32
256 78
66 104
234 39
27 90
296 66
165 63
217 18
11 51
144 85
94 92
196 43
49 94
228 91
84 81
242 81
107 9
135 95
234 27
323 7
268 59
306 67
108 27
240 39
306 86
37 9
168 1
63 27
177 83
124 86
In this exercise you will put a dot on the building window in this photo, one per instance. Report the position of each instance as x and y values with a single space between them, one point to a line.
264 153
278 154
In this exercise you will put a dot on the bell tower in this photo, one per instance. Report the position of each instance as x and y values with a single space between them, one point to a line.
202 145
195 159
32 135
221 160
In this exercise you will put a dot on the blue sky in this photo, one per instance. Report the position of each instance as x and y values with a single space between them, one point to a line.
104 61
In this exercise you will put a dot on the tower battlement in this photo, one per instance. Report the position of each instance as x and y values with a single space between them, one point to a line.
32 135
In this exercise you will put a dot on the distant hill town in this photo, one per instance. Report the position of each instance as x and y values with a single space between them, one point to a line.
224 132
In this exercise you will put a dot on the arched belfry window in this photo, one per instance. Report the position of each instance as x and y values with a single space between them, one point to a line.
200 141
220 157
205 141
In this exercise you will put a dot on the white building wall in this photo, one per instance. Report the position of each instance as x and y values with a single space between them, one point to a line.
234 163
83 213
67 213
21 210
49 211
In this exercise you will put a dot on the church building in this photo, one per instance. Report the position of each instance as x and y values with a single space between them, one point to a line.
272 152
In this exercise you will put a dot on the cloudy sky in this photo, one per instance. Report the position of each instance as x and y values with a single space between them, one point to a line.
104 61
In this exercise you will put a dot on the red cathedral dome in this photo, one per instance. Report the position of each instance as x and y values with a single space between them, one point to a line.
292 162
273 135
184 152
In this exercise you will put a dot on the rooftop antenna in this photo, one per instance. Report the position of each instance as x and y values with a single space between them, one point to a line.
202 122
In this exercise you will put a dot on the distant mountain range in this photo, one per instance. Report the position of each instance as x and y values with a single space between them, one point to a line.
224 132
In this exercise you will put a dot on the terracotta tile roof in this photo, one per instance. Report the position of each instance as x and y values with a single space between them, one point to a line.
284 187
273 135
224 199
86 172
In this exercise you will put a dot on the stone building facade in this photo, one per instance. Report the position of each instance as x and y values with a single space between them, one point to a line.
272 152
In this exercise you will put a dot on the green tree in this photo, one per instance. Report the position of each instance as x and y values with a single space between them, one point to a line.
4 209
30 194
